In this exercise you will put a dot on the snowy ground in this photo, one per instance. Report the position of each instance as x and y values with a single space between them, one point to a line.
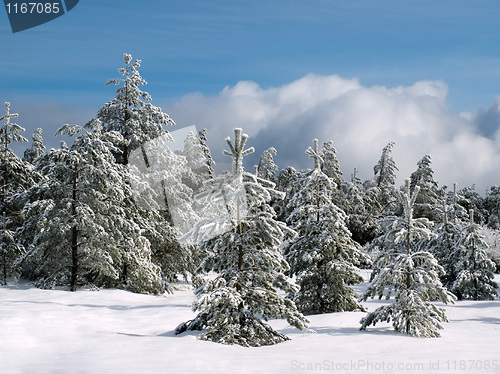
113 331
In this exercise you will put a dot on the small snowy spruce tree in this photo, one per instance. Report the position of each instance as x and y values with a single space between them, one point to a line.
198 167
267 168
323 257
330 164
360 205
385 178
15 176
428 199
249 268
473 268
202 136
469 198
412 274
37 148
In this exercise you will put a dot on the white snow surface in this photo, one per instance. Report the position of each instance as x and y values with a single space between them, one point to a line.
115 331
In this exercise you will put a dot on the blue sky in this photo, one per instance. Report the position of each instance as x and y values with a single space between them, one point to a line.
55 73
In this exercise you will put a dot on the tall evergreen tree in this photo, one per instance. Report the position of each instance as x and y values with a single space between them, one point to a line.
249 267
15 176
324 256
132 114
412 274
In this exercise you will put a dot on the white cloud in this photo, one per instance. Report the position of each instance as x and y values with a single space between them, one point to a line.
360 120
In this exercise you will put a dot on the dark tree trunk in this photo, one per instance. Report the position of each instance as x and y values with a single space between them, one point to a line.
74 236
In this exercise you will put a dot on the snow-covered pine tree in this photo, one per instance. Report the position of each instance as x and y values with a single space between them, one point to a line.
15 176
443 245
492 239
138 121
412 274
385 178
492 205
330 165
202 136
249 268
267 168
473 268
385 170
77 229
323 256
379 198
288 183
37 148
469 198
198 165
361 207
168 213
131 113
428 199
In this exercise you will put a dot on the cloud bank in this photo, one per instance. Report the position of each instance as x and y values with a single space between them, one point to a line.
465 148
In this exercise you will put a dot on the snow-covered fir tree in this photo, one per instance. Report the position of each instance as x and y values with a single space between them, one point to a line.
131 112
267 168
77 229
412 274
15 176
37 147
443 245
379 198
473 268
385 178
199 167
468 198
323 257
492 239
202 136
362 208
249 268
164 187
428 198
288 183
492 205
330 165
385 170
